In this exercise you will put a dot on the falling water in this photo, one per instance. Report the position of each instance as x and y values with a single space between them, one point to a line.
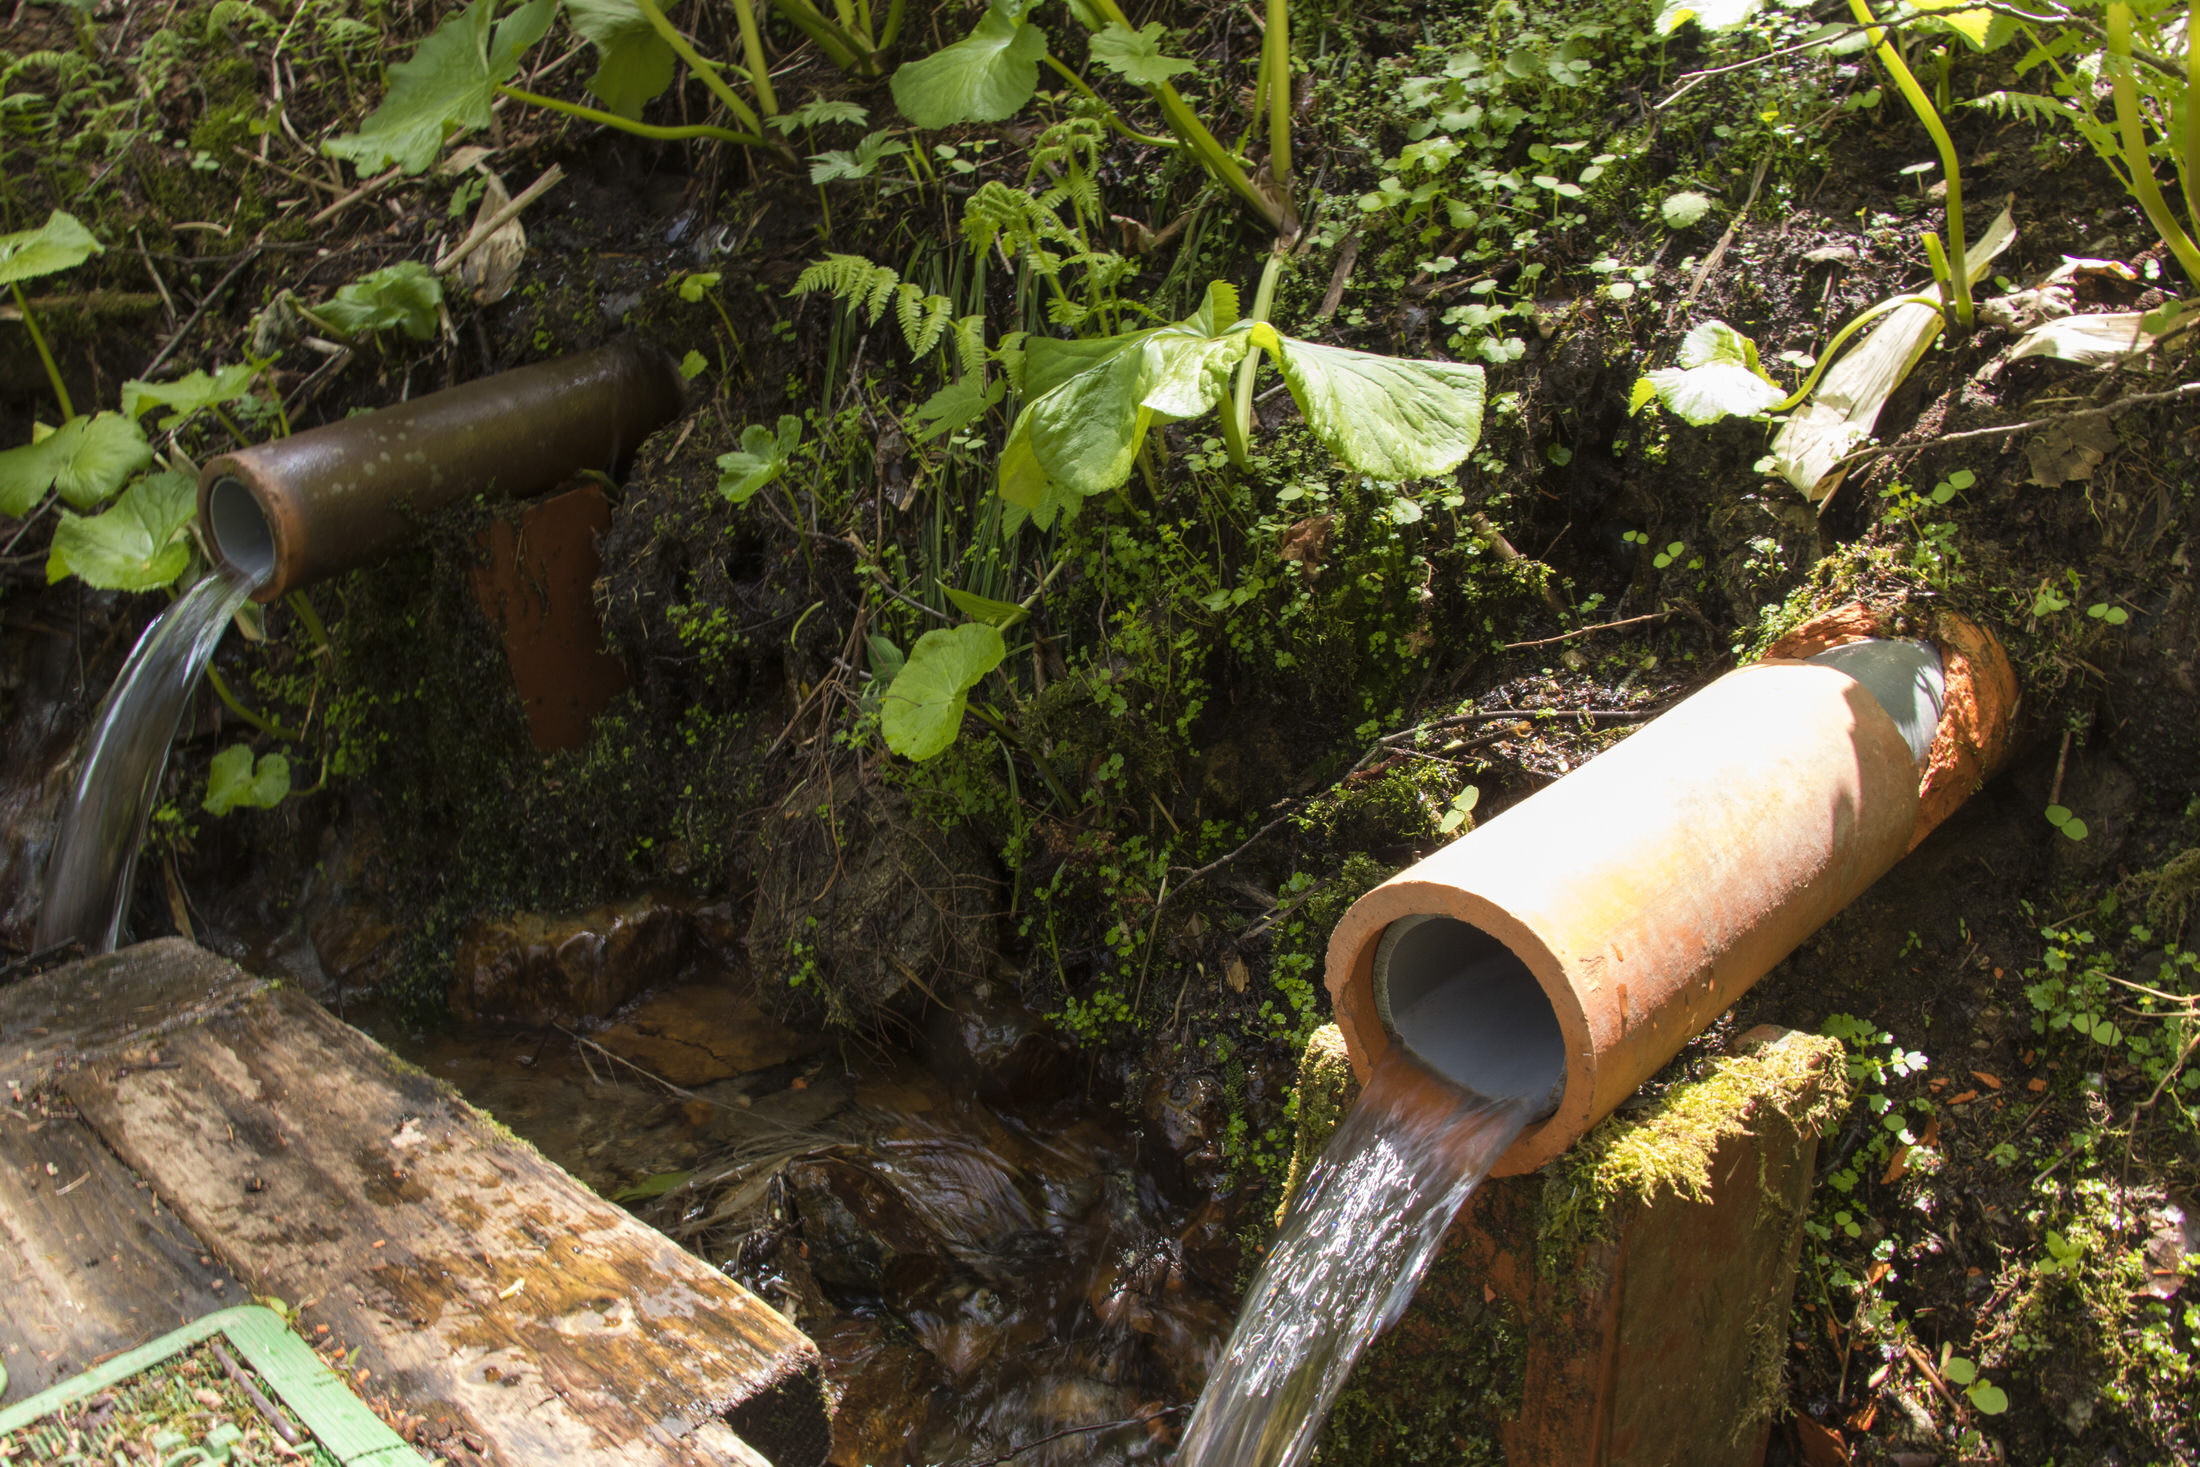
1360 1234
88 879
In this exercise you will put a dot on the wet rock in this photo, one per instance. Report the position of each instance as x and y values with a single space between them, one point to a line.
858 1226
702 1033
883 1389
862 904
534 968
37 675
1000 1049
1186 1117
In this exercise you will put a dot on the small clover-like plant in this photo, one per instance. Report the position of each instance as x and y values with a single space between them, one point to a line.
1460 811
2069 824
2114 616
1953 485
1669 554
762 457
1683 209
1985 1397
235 779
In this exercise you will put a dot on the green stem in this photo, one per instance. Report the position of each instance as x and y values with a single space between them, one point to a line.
1279 96
2135 146
2188 154
1115 119
1959 302
994 721
38 338
1825 358
840 48
267 726
752 52
682 48
1237 422
639 129
231 424
892 32
311 621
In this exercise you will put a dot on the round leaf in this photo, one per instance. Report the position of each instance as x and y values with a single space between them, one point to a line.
61 243
234 780
985 77
1684 208
924 705
1989 1399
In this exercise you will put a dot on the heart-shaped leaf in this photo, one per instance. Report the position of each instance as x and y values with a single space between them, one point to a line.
633 62
188 395
61 243
1988 1399
924 706
233 779
761 458
86 460
985 77
445 87
139 544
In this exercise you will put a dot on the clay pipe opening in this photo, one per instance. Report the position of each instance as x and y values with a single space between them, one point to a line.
1469 1010
346 494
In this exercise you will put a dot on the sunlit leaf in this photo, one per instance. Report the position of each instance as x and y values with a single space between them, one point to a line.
1987 1398
1386 416
761 458
985 77
1136 55
139 544
1718 377
1681 210
233 780
633 62
61 243
955 407
85 461
188 395
405 297
924 706
1711 15
445 88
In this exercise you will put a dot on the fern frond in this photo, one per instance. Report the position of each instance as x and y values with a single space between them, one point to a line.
849 278
970 343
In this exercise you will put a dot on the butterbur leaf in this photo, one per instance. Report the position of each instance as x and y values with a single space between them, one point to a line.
85 460
405 297
188 395
633 63
985 77
924 706
445 87
1003 614
61 243
233 780
761 458
140 543
1082 431
1684 208
1136 55
1385 416
1718 377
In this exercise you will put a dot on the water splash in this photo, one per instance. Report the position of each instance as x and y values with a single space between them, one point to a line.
1359 1236
88 879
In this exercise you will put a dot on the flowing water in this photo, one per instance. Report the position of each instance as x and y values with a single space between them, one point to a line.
1360 1234
88 877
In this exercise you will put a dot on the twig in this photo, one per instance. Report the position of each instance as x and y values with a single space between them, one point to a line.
2062 762
351 198
158 283
2110 410
1585 631
176 339
502 217
1040 1441
1718 251
261 1403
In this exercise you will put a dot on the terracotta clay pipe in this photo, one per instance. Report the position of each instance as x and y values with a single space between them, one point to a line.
1568 948
337 497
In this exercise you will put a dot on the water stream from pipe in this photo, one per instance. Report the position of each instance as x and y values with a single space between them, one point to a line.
88 878
1362 1231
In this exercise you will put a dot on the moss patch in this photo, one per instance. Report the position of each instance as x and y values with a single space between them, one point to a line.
1327 1087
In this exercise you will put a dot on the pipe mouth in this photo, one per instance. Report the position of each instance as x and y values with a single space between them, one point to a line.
1470 1009
239 528
1904 677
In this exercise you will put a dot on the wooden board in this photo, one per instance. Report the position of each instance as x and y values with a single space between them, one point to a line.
478 1279
49 1022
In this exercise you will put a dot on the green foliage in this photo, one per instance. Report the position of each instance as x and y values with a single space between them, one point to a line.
1683 209
1136 55
859 162
762 457
2063 820
633 63
141 543
85 461
444 89
1717 375
188 395
234 779
403 297
61 243
925 319
985 77
924 705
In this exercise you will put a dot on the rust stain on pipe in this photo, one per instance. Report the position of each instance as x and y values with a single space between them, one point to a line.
337 497
1648 890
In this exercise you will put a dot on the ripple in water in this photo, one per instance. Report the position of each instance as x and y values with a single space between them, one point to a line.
88 879
1359 1236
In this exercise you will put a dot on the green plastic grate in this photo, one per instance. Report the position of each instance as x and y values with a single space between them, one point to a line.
340 1422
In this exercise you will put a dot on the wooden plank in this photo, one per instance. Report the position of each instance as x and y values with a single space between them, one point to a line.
54 1020
91 1264
476 1277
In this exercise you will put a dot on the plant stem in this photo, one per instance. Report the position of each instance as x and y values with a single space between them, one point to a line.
311 621
1958 305
639 129
685 50
1000 726
38 338
2135 146
1279 95
267 726
1115 119
1825 358
2188 152
840 48
752 52
1237 420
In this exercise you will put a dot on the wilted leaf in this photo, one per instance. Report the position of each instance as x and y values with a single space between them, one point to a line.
633 62
139 544
924 706
985 77
491 270
1718 377
234 780
405 296
761 458
2088 340
61 243
188 395
85 460
1386 416
1136 55
445 87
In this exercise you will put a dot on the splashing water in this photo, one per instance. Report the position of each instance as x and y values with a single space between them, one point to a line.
88 879
1359 1236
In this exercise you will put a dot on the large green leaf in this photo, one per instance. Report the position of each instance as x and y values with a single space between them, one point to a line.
188 395
1136 55
985 77
1387 417
924 704
403 297
59 244
762 457
445 88
1717 377
1002 614
633 62
139 544
85 460
233 779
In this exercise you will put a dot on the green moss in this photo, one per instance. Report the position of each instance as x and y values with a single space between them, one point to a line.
1326 1088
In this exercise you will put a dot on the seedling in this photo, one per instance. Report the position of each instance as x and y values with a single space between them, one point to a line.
1948 488
1985 1397
2101 611
1669 554
2063 820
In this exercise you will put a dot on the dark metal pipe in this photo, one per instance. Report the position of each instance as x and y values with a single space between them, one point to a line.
337 497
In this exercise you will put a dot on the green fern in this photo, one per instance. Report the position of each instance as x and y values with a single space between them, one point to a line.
862 286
